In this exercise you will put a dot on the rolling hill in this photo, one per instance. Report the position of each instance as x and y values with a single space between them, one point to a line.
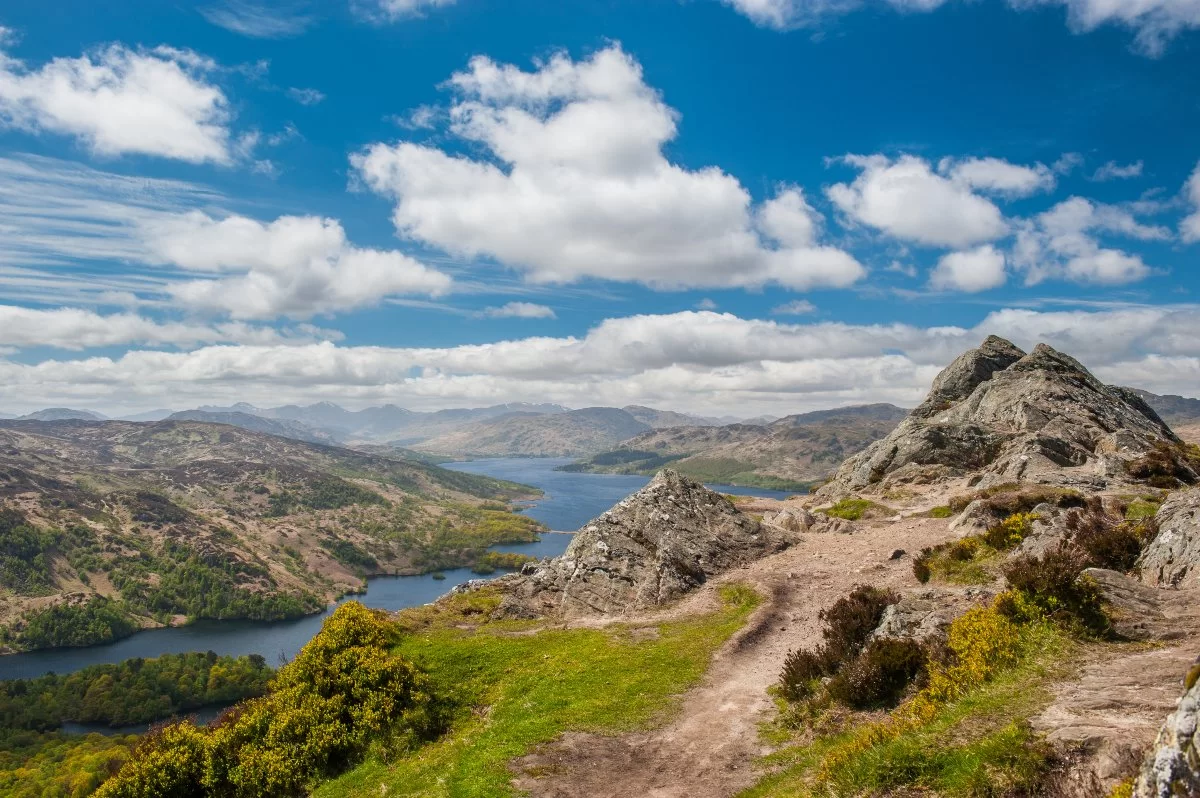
571 434
106 527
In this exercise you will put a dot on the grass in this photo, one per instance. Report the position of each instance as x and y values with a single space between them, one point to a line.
518 690
943 511
974 747
856 509
1140 508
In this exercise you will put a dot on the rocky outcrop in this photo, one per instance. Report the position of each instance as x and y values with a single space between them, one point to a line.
1172 559
1010 416
926 614
1172 768
651 548
1140 612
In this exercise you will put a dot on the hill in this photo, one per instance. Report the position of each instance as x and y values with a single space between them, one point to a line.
787 454
570 434
287 429
1175 410
110 526
62 414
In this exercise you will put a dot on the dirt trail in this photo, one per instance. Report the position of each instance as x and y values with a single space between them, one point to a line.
708 750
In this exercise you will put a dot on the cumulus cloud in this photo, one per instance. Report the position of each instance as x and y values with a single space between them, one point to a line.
1063 242
295 266
519 310
1155 22
697 361
789 14
404 9
1189 228
997 176
75 328
1114 171
971 271
578 187
906 199
118 101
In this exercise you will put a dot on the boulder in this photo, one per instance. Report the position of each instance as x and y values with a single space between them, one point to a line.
1171 559
1006 416
926 614
651 548
793 520
1172 768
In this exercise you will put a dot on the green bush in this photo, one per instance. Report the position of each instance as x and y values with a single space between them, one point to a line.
1052 583
879 675
1009 533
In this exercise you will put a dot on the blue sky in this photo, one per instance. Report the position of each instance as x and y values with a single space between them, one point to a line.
749 206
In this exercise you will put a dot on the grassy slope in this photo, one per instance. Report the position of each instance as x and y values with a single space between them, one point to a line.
519 691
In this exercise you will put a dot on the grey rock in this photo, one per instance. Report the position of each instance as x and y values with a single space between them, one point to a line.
1007 416
651 548
926 614
1172 768
793 520
1141 612
1171 559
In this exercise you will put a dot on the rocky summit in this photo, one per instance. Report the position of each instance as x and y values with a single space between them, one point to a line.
651 548
1005 415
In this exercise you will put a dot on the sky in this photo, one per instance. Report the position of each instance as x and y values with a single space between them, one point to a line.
729 207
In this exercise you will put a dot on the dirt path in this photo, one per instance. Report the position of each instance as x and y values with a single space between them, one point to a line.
708 750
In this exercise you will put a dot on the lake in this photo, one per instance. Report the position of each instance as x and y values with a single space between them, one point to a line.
570 501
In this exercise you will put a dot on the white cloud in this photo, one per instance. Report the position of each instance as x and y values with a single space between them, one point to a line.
797 307
119 101
1189 228
790 14
256 20
972 271
578 187
519 310
306 96
907 200
1062 243
296 266
1155 22
74 328
1067 163
998 176
706 304
702 362
404 9
1114 171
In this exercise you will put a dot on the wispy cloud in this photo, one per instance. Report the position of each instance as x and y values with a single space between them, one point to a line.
306 96
258 21
519 310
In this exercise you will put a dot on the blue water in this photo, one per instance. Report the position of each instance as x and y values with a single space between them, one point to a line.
570 501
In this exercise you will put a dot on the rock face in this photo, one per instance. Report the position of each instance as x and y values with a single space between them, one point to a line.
1173 557
651 548
926 614
1011 416
1172 767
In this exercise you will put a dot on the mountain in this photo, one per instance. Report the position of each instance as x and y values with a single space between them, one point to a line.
286 429
1172 409
571 434
149 415
786 454
1005 415
662 419
62 414
117 525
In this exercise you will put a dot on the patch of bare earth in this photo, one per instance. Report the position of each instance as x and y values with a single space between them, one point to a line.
708 748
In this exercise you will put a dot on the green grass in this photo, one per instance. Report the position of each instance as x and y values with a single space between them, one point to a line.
521 690
941 512
976 747
855 509
1140 508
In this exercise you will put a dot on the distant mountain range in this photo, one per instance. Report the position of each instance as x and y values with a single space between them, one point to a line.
575 433
1172 409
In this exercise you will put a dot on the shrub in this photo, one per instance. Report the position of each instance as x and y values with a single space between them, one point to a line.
801 672
1009 533
1052 583
1165 466
879 675
920 566
849 620
963 550
1010 498
1115 546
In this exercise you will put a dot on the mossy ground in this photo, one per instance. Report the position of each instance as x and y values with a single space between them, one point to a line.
518 688
856 509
